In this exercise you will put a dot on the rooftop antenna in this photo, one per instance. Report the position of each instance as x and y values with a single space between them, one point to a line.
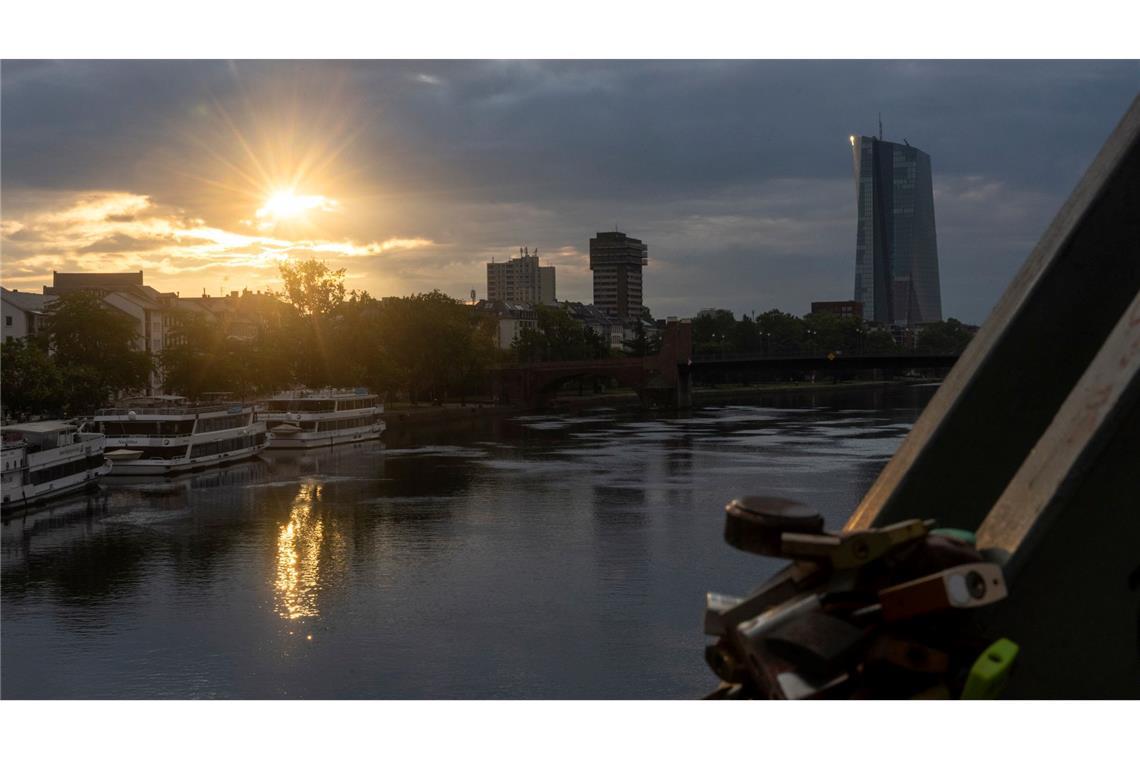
880 125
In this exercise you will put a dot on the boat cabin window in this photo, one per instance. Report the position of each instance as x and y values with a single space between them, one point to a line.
226 445
301 405
48 474
347 424
210 424
146 428
362 402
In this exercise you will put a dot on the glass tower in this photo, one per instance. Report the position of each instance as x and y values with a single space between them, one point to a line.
896 251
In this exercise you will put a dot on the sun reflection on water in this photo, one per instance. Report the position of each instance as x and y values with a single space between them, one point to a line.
298 557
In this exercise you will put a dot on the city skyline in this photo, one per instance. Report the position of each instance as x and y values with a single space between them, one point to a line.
413 175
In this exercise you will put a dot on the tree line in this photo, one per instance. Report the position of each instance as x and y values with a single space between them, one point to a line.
424 348
313 334
776 333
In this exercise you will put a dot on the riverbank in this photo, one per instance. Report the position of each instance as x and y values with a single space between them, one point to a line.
400 417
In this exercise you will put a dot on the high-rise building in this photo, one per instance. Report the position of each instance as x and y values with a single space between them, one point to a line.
521 280
616 261
896 250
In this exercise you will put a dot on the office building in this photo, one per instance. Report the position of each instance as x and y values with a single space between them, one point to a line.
616 261
521 280
896 251
838 308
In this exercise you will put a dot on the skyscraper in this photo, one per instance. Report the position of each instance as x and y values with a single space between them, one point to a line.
896 251
616 261
521 280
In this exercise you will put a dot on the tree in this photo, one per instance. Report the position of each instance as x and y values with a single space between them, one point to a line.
641 344
557 337
949 337
316 293
430 345
93 346
202 358
713 331
311 287
30 382
780 334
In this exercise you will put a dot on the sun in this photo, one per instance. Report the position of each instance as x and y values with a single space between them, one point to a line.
288 205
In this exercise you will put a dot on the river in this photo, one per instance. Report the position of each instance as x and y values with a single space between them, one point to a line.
538 556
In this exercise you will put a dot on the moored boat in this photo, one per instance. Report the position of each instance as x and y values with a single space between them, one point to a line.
162 435
304 419
41 460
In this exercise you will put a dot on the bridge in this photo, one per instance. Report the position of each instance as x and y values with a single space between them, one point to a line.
832 361
666 379
662 379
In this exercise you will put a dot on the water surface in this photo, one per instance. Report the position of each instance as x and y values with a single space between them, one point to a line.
540 556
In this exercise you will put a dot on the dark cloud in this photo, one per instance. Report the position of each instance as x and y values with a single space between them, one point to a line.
737 173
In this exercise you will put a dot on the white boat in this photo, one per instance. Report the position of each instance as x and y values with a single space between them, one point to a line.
46 459
306 419
171 434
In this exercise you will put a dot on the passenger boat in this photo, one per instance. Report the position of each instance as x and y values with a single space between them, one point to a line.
305 419
45 459
161 435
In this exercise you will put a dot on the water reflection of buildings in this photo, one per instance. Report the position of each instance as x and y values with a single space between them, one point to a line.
310 554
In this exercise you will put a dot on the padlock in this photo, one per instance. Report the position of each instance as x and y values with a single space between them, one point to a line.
848 550
990 671
716 605
755 523
816 643
795 685
972 585
722 612
749 639
724 662
912 656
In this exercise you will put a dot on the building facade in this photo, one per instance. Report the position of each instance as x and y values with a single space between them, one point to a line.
616 261
521 280
896 250
838 308
511 319
599 321
152 311
23 313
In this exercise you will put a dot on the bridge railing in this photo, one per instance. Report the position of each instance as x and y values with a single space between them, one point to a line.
820 355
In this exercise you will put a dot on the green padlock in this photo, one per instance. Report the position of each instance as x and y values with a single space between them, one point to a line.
990 671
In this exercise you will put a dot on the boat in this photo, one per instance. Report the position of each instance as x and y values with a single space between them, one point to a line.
41 460
305 419
163 435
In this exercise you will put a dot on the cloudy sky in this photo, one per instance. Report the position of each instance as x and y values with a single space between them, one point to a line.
412 175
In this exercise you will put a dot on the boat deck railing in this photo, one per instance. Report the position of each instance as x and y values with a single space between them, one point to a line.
181 411
320 393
